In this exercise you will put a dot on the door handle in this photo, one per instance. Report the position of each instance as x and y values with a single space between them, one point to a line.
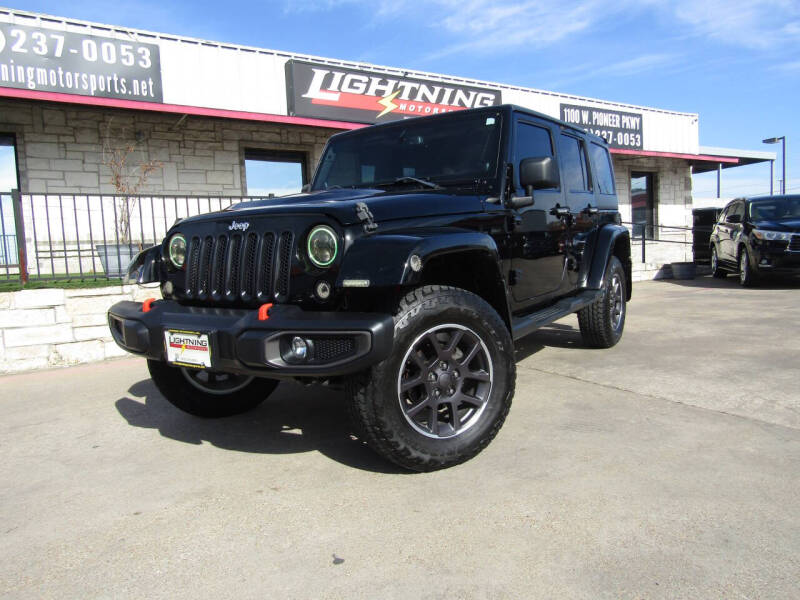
591 210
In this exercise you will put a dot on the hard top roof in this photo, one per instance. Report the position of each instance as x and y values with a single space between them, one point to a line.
505 108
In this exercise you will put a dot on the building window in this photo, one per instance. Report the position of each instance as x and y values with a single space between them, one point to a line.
272 172
8 182
8 164
643 209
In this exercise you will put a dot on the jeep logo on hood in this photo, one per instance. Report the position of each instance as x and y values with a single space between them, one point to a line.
241 226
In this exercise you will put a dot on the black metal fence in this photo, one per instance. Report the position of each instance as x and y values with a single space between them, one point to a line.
85 236
696 236
94 237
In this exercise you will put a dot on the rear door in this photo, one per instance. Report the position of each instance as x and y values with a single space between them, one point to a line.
576 174
580 189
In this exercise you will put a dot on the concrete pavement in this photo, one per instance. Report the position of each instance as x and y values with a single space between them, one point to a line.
657 469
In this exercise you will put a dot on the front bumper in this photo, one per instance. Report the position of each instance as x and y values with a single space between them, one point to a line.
778 261
241 343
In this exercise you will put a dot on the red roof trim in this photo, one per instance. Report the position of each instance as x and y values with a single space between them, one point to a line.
264 117
173 108
703 157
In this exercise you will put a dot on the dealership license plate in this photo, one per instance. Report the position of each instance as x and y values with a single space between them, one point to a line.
188 348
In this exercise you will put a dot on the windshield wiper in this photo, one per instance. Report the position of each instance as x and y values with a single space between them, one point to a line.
408 179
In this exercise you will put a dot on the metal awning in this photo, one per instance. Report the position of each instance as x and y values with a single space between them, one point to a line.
708 159
712 158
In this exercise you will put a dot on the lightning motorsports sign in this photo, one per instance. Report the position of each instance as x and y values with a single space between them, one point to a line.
39 59
330 92
620 129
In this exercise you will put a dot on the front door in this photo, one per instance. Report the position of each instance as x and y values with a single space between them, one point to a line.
538 251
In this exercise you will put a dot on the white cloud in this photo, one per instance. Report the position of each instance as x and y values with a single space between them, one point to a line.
307 6
757 24
558 78
492 27
787 67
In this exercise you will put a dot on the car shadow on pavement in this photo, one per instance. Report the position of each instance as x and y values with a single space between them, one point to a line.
293 419
732 281
555 335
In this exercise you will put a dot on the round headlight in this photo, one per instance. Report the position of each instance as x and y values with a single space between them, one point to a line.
322 245
177 250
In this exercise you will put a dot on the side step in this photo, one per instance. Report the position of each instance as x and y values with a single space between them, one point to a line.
522 326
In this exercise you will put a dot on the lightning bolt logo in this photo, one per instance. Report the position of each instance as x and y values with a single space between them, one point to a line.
387 103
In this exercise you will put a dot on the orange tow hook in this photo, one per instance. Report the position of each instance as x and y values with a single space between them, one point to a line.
263 311
147 305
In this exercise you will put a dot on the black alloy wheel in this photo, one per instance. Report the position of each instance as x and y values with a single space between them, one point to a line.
603 321
445 391
747 277
207 393
445 381
215 383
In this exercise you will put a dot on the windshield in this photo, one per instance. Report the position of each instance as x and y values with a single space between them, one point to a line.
451 150
775 208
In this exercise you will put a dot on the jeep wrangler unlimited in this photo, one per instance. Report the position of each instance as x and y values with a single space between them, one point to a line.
421 251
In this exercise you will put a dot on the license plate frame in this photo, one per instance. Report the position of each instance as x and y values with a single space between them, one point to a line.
188 348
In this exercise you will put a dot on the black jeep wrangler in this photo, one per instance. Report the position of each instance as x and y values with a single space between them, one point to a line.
422 249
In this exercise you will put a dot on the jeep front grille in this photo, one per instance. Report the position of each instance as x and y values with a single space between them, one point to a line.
794 244
239 268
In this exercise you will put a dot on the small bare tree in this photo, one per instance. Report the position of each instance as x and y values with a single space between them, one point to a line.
130 170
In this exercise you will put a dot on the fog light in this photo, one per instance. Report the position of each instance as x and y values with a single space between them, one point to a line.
299 348
323 290
415 262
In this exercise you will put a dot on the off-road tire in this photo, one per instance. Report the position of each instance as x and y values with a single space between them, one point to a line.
747 276
603 321
174 384
376 401
716 270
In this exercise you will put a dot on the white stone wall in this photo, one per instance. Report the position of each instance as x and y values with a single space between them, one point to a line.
60 148
673 206
56 327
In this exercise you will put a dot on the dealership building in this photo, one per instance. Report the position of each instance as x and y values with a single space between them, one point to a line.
217 119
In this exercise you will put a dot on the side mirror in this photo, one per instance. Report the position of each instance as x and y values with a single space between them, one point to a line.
734 218
538 174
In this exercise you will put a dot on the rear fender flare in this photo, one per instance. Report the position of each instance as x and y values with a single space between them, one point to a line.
604 243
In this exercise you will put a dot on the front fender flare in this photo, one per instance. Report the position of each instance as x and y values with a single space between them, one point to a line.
383 259
144 268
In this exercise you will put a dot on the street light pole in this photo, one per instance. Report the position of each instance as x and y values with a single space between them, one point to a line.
783 157
771 177
782 140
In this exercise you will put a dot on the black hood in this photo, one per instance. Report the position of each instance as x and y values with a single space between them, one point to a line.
340 204
791 225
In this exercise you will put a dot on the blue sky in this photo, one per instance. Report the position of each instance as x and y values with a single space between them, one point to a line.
735 63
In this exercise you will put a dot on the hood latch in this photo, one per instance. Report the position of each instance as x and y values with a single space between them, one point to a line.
365 216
